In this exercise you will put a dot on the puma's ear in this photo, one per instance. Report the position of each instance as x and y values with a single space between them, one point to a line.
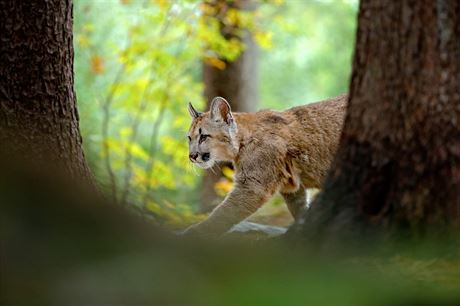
220 110
193 112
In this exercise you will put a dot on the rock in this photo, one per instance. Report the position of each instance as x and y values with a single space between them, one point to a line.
257 230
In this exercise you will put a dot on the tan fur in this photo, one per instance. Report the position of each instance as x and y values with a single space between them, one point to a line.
272 151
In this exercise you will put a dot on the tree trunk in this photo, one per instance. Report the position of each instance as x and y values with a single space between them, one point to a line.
398 164
237 83
38 114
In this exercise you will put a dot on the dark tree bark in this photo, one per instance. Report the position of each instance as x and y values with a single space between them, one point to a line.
398 164
38 114
237 83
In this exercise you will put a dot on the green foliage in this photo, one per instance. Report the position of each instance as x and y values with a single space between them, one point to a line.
138 63
140 78
311 53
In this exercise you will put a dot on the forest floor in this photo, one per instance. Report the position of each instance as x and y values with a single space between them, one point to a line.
276 213
270 220
273 213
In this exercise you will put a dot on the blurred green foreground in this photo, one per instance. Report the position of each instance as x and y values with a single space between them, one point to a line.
61 246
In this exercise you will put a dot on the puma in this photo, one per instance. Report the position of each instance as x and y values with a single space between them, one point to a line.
271 151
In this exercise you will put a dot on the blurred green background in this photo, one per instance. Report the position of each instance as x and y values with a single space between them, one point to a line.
138 63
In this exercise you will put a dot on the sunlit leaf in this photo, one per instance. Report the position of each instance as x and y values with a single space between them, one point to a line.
162 3
223 186
215 62
228 173
83 40
97 64
125 132
137 151
264 39
208 9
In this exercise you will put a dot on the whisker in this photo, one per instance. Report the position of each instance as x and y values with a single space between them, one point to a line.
212 169
191 168
194 169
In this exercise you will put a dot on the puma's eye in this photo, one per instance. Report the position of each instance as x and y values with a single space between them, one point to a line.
203 137
189 138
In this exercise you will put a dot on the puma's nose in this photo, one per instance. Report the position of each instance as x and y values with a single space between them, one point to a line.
205 157
193 156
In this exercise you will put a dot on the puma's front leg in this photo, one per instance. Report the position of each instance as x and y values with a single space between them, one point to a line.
296 201
239 204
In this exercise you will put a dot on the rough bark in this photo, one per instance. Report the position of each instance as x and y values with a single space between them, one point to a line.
38 114
398 164
237 83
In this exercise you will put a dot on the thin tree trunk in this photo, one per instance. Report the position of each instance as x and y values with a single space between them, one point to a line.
38 114
398 165
237 83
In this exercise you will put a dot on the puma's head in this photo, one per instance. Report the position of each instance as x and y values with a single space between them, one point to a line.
212 134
